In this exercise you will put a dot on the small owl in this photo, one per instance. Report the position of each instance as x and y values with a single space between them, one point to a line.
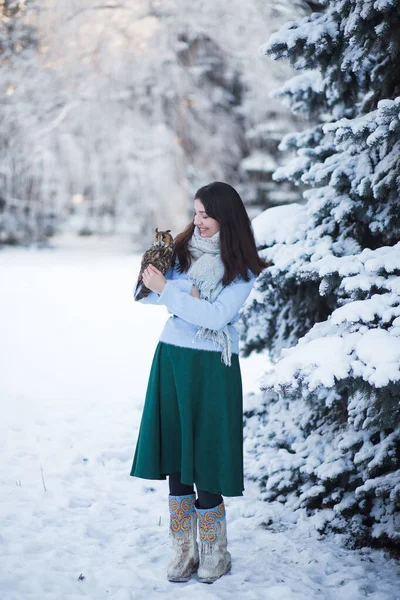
159 255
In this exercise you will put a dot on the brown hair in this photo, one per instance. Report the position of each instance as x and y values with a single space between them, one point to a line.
237 244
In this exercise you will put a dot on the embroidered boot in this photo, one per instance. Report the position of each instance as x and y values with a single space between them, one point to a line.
215 560
183 532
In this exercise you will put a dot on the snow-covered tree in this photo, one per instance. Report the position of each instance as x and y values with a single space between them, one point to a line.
16 34
20 218
327 432
265 126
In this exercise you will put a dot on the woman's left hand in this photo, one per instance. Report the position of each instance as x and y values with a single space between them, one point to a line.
153 279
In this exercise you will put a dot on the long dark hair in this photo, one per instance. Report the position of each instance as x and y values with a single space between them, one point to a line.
237 244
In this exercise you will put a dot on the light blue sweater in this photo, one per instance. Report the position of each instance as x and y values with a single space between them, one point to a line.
188 313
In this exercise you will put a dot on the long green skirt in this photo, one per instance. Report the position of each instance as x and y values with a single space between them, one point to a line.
192 420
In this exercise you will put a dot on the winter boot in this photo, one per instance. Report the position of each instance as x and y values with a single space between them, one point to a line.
215 560
183 531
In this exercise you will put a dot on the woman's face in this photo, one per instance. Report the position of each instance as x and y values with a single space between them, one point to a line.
207 225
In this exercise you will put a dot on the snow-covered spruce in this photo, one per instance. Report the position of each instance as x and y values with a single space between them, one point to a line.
326 432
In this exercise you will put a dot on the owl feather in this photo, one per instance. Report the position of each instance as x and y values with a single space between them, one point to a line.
160 255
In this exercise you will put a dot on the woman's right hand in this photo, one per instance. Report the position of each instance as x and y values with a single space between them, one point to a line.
195 292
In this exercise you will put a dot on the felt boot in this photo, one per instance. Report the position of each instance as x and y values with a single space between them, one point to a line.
215 560
183 532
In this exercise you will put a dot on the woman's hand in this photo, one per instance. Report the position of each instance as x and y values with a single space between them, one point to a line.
153 279
195 292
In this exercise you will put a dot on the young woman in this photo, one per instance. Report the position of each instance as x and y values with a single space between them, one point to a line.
192 422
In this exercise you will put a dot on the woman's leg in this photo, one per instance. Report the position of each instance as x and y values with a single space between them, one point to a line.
208 500
176 488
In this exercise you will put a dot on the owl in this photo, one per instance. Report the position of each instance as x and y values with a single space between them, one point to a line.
159 255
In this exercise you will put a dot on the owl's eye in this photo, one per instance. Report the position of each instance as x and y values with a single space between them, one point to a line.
164 238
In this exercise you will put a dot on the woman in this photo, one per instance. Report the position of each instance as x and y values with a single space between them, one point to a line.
192 422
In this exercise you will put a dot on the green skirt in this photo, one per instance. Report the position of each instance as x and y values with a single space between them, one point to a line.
192 420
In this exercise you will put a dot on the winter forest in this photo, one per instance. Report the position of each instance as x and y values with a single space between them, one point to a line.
112 115
97 99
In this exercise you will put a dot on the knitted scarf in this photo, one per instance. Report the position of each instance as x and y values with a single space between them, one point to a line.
206 272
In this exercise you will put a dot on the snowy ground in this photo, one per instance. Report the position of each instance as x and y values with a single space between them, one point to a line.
75 356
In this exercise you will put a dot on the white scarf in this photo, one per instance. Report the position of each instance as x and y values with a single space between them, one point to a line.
206 272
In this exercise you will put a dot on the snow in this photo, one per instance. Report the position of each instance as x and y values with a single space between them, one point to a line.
317 29
259 161
373 354
76 352
268 229
319 361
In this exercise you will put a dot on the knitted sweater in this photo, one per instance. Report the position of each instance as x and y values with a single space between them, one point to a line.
188 313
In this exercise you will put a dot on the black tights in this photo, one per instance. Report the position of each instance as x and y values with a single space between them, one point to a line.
205 499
